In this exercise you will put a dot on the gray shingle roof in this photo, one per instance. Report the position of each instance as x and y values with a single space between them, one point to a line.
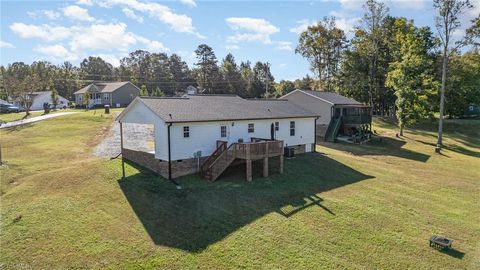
332 97
101 87
200 108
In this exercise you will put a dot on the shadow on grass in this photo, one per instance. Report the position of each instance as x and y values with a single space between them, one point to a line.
453 253
204 212
17 128
387 146
453 147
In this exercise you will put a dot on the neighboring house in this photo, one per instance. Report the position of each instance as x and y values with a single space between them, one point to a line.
473 110
214 130
338 115
41 97
115 94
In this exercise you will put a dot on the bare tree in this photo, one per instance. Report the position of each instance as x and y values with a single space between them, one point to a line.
447 21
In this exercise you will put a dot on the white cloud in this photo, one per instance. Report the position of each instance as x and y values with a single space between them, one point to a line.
110 58
49 14
6 45
45 32
190 3
77 13
84 2
232 47
112 37
104 37
344 22
284 45
152 45
251 29
180 23
56 52
302 26
352 4
131 14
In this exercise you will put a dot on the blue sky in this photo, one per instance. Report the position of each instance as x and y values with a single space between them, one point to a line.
60 31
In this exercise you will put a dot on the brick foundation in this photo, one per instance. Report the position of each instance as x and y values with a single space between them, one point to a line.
148 160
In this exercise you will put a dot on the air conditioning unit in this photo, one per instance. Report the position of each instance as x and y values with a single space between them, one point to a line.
289 152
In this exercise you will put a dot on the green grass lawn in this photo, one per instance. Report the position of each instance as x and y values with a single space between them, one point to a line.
368 206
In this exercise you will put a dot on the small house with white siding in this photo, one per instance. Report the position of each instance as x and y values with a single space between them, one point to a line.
41 97
207 133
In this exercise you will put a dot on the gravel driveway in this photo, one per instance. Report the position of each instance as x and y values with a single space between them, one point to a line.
135 136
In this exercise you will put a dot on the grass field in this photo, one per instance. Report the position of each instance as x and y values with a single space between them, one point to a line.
348 207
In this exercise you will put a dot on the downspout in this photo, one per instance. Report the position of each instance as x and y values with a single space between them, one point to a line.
169 154
177 185
315 135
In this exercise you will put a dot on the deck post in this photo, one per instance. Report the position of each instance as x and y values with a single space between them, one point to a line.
265 161
248 162
281 158
121 149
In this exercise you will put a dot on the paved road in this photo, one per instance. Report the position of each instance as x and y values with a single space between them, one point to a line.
135 136
33 119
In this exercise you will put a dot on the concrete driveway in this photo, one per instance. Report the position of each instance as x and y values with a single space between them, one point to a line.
34 119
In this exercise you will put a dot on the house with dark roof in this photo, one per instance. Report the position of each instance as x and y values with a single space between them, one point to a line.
208 133
339 117
115 94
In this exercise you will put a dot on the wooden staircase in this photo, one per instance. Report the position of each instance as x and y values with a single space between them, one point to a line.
224 156
219 161
333 129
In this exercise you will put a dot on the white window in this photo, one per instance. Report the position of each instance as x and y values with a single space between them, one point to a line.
292 128
251 128
186 131
277 126
105 95
223 131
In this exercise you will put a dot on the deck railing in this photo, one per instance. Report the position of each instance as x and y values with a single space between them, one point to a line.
357 119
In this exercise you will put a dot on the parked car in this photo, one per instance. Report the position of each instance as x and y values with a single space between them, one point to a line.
8 108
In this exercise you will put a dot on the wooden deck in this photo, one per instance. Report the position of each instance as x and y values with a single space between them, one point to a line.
258 149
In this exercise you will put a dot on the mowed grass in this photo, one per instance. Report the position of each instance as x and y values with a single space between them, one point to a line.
368 206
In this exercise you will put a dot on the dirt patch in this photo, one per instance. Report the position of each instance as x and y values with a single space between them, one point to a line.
135 136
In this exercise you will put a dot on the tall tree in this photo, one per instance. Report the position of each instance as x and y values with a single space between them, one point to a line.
232 76
462 87
322 44
208 69
411 74
447 21
373 19
96 69
263 81
180 73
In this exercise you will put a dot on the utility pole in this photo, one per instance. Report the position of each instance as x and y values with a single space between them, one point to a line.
267 68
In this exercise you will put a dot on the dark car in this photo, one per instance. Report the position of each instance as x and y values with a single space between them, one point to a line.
8 108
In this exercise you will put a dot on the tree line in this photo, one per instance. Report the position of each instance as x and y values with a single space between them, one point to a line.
156 74
389 63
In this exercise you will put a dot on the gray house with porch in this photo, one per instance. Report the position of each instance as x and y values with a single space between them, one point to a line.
115 94
339 117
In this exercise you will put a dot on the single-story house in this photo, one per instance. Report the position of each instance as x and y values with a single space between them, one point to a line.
338 115
115 94
41 97
208 132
